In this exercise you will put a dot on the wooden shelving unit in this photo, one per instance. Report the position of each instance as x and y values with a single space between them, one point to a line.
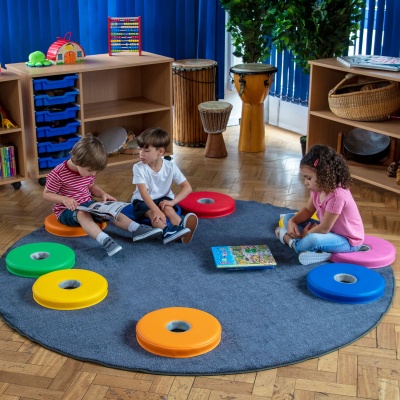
11 101
324 126
122 90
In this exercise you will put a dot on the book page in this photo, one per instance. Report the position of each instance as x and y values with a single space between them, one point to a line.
110 209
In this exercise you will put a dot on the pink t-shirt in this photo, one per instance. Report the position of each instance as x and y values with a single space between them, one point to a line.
62 180
349 223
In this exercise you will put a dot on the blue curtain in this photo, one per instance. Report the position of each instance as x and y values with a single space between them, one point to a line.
290 84
174 28
380 31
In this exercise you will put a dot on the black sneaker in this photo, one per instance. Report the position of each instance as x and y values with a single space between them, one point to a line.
146 231
111 247
189 221
364 247
173 232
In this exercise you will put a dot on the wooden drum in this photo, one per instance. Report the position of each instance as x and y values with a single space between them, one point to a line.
214 116
194 83
252 82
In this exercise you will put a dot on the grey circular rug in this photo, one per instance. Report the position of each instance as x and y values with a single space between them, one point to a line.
268 317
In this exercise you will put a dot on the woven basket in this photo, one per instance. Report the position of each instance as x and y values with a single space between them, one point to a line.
370 101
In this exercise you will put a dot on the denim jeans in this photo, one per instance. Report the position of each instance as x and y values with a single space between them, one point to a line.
329 242
70 218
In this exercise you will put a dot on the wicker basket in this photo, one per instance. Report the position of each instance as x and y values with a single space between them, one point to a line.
368 101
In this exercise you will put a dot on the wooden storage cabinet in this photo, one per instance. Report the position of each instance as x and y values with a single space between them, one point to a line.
324 126
11 101
131 91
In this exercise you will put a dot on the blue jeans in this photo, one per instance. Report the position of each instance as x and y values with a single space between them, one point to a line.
69 217
329 242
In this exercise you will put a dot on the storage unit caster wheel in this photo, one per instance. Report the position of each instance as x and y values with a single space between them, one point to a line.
16 185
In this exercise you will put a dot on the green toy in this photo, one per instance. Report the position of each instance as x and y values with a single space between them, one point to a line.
38 59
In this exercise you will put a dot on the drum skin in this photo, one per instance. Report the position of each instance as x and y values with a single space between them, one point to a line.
253 82
194 83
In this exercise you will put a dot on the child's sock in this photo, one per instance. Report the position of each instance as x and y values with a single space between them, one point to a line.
133 226
101 237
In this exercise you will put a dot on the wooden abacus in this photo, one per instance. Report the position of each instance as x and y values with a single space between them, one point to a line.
124 34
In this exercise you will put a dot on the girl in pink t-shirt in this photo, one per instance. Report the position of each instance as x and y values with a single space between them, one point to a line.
340 228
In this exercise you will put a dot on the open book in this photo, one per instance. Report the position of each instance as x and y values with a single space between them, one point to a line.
374 62
105 209
243 257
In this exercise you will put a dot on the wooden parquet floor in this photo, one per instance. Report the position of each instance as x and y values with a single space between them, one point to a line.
366 369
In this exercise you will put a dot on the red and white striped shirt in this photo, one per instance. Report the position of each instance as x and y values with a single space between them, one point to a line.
65 182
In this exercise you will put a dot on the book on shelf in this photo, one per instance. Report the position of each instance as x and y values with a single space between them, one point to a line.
3 156
7 161
105 209
245 257
373 62
13 167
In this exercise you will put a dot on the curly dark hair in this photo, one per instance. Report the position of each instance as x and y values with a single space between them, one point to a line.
331 168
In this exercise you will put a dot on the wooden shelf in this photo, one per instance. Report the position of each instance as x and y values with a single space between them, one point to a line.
11 101
121 108
390 127
324 126
126 90
375 176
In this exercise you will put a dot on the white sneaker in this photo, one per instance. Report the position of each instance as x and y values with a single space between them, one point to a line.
312 257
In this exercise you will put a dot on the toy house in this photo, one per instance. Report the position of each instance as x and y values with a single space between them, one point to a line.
64 51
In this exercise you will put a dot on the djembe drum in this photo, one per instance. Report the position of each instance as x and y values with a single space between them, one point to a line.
252 82
194 83
214 116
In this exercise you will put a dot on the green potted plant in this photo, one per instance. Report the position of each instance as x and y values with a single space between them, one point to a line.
311 29
251 24
317 29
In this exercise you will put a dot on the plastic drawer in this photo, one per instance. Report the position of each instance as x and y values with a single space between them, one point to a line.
48 147
50 162
61 129
46 100
48 116
56 83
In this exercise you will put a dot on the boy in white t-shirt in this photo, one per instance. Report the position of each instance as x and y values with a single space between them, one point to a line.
153 197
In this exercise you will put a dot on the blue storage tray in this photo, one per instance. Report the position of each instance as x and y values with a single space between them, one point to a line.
48 116
48 147
50 162
64 129
46 84
46 100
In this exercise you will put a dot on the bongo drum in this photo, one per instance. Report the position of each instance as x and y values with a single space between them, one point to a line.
214 116
252 82
194 83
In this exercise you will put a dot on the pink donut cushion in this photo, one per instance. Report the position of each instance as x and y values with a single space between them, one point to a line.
208 204
380 254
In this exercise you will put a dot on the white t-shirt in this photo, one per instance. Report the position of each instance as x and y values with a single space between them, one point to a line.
159 183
